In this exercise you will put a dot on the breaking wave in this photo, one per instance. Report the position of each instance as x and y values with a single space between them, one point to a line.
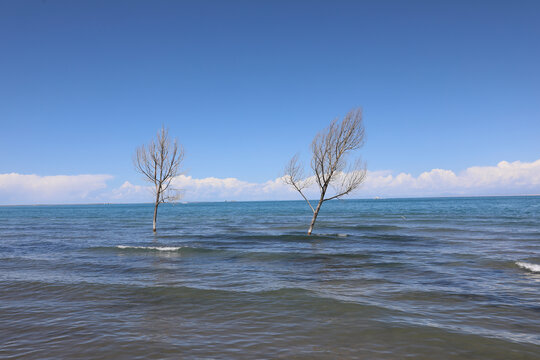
528 266
158 248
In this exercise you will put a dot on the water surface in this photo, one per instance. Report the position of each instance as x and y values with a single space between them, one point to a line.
380 279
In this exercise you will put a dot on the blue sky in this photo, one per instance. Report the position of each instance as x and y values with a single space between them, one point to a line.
244 85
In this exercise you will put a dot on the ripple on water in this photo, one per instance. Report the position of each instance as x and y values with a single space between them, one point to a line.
411 278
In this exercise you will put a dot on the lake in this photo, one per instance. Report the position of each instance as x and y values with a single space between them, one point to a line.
445 278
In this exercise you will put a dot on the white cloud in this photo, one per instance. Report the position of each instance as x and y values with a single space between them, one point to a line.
211 188
128 192
504 179
33 189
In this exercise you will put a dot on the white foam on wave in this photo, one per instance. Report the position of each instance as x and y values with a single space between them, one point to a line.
528 266
158 248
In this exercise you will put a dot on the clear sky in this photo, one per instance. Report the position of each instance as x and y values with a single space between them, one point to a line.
244 85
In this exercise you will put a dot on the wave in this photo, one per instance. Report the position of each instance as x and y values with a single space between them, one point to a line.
247 254
528 266
330 234
158 248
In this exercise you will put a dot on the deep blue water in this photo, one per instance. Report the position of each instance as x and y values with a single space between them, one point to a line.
385 279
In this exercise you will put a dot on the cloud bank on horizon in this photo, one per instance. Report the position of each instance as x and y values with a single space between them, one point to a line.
58 189
506 178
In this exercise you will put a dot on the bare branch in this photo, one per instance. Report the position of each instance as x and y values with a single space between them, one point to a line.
330 149
294 176
349 180
159 162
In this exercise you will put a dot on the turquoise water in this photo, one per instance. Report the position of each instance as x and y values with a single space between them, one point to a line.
379 279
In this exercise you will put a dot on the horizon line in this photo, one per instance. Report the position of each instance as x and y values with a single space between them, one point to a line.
245 201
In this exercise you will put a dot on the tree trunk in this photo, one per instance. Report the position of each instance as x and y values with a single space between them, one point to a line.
315 213
313 221
155 212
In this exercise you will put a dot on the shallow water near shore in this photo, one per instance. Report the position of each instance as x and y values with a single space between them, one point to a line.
382 279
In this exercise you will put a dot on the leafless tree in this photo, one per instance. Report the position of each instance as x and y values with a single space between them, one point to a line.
159 162
330 149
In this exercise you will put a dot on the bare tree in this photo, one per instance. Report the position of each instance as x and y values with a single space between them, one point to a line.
330 149
159 162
